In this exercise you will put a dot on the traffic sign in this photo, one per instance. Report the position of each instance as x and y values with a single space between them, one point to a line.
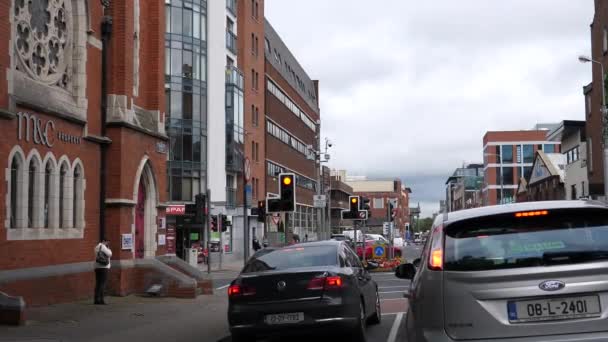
320 201
247 169
363 214
379 251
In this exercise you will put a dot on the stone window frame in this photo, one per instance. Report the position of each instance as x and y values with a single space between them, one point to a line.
55 230
72 102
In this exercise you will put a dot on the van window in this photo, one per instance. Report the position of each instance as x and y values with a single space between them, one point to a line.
505 241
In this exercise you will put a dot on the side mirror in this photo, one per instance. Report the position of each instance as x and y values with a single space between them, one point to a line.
405 271
370 265
416 263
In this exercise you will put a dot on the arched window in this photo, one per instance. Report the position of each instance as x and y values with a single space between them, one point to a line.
16 171
32 185
63 172
77 188
48 172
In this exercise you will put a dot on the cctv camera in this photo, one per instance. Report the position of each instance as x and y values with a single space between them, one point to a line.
329 144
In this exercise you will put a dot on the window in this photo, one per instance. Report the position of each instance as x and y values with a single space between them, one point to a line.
378 203
605 41
507 176
518 154
573 192
16 176
48 172
252 43
256 122
528 153
252 78
549 148
281 259
588 104
267 46
62 200
32 187
257 10
257 51
253 150
507 154
77 197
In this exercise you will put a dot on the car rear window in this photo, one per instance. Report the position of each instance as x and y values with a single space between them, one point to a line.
292 257
552 237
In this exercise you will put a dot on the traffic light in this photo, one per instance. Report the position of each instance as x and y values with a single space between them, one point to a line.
200 203
288 191
354 204
365 206
391 211
214 223
261 211
226 222
286 201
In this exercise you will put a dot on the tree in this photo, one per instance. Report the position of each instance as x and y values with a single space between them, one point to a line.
424 224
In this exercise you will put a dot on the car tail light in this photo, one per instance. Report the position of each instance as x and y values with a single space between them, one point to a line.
240 290
436 255
325 283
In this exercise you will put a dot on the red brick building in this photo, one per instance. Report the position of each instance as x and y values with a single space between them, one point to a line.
292 132
508 156
593 101
58 195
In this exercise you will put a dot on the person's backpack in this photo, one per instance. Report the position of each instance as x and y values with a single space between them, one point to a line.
102 258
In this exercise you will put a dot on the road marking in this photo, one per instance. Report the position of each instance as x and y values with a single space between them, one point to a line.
385 299
393 335
390 292
391 287
222 287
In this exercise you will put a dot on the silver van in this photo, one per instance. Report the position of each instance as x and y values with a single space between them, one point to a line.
521 272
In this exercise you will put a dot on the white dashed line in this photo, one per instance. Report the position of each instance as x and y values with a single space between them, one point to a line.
392 337
222 287
390 292
391 287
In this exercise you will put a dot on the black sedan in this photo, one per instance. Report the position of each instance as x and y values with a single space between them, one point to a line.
309 287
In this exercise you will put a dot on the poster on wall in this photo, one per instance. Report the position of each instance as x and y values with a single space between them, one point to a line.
127 242
162 223
170 239
162 239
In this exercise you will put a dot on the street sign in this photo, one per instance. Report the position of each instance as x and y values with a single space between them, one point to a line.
385 228
320 201
247 169
379 251
363 214
248 194
276 219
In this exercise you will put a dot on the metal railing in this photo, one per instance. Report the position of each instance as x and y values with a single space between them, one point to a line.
234 76
230 198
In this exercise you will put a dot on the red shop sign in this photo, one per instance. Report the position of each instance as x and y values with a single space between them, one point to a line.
176 210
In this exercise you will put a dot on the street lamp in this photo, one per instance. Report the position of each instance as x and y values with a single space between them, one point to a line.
502 186
603 111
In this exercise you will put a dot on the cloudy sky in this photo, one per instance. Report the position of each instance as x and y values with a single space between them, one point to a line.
414 85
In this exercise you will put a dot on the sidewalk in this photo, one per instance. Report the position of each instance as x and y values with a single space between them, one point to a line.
125 318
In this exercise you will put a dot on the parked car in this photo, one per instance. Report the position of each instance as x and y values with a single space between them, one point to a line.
519 272
342 237
309 287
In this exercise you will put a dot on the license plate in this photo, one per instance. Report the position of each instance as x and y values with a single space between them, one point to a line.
284 318
550 309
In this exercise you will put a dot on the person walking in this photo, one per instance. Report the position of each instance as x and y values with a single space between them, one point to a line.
103 253
256 244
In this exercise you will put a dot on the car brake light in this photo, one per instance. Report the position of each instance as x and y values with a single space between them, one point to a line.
532 213
436 256
325 283
240 290
436 262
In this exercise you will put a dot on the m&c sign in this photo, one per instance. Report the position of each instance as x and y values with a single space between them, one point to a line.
41 132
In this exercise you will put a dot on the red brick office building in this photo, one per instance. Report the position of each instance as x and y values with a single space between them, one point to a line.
53 136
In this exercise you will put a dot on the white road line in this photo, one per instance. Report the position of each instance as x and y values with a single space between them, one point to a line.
222 287
390 292
385 299
391 287
392 337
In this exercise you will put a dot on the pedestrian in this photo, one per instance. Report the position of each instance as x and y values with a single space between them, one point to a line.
306 237
296 238
256 244
102 268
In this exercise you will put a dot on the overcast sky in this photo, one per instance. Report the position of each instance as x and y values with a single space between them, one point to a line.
414 85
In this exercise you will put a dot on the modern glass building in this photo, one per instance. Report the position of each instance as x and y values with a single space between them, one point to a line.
186 101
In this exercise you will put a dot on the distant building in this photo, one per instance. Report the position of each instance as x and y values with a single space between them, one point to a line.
380 192
340 192
508 156
463 188
572 136
546 182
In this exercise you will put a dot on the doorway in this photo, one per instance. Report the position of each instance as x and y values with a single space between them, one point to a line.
140 210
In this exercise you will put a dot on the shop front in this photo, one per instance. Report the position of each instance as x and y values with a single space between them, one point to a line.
183 233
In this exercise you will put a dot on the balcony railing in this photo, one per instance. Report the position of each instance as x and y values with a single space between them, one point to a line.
234 77
230 197
231 41
231 6
234 158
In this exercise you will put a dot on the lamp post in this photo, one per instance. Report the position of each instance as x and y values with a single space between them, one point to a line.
502 186
603 111
322 157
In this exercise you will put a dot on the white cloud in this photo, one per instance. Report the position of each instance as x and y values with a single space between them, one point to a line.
409 88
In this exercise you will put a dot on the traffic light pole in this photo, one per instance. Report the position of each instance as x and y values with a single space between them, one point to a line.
207 226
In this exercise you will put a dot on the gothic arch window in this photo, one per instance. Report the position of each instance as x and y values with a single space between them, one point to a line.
63 182
49 54
16 179
78 197
33 189
48 185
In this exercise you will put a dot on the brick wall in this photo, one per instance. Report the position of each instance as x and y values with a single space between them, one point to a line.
5 50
